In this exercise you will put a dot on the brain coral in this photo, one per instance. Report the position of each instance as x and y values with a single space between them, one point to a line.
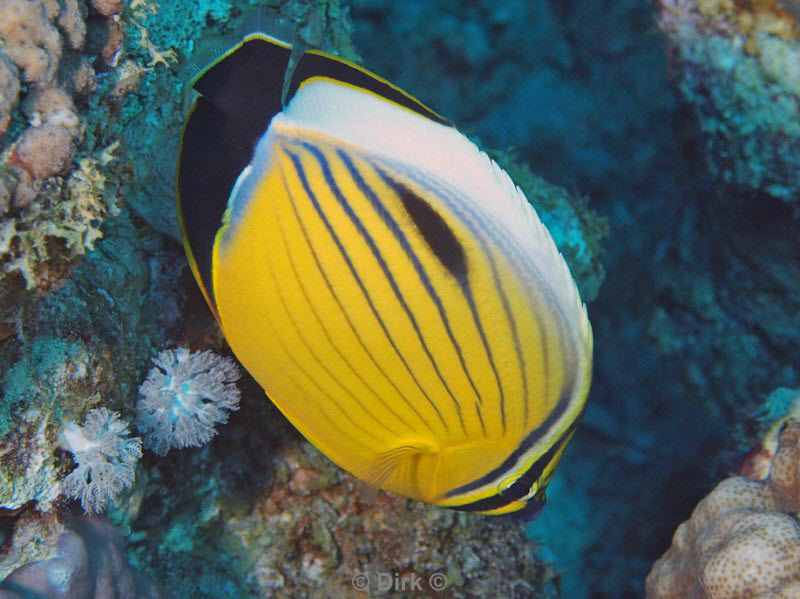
743 539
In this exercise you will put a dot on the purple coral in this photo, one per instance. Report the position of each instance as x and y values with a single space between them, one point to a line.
106 457
184 396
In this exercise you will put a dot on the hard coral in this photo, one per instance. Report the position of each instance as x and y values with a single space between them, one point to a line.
45 75
743 539
31 39
45 151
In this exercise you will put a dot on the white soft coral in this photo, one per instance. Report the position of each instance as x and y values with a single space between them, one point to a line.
106 455
184 396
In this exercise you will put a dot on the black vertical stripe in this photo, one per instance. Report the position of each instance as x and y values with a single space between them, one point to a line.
333 345
326 172
523 485
328 419
508 465
480 418
305 343
478 236
315 203
401 190
344 312
418 267
515 339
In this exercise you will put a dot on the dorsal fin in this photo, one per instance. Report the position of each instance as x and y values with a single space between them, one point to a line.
239 94
245 83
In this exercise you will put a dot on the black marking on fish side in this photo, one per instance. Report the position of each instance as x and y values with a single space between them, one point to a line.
450 252
387 273
344 312
480 418
478 235
434 230
298 329
400 236
321 323
346 256
533 437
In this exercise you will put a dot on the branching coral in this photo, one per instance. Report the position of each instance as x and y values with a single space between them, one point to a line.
743 539
184 397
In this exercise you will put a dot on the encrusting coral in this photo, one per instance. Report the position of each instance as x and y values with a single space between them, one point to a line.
743 539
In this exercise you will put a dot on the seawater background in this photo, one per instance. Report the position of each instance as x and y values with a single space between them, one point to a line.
581 90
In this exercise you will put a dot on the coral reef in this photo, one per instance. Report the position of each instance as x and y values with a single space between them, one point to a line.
79 346
80 557
743 539
269 516
49 382
737 66
185 395
50 206
727 311
343 540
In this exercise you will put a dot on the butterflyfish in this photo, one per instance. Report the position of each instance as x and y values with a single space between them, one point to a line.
382 279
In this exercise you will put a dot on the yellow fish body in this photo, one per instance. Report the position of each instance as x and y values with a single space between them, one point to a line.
382 279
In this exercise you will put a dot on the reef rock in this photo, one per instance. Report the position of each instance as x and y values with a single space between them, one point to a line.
737 67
